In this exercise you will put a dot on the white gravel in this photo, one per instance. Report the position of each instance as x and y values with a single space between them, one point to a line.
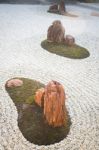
22 28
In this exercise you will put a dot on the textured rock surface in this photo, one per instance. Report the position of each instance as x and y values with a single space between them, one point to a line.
21 55
54 104
56 32
14 83
62 9
39 96
53 8
69 40
52 99
58 8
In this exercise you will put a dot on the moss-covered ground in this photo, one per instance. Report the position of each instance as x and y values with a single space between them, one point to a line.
31 121
74 51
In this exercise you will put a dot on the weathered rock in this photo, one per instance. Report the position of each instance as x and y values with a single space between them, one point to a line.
69 40
39 97
14 83
62 9
58 8
52 100
53 8
56 32
54 104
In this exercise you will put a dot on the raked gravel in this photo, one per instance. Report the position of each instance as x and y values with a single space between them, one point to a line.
22 28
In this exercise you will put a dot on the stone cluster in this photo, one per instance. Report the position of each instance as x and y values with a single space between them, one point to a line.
58 8
56 33
52 100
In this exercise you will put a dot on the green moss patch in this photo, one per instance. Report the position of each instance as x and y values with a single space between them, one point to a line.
74 52
24 93
31 121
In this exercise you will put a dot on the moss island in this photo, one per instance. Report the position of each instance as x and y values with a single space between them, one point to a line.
31 120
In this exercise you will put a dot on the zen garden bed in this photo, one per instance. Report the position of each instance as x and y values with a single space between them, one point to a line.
31 120
75 51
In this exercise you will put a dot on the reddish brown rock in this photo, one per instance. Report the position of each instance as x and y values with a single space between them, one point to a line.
53 8
56 32
54 104
52 100
39 97
69 40
14 83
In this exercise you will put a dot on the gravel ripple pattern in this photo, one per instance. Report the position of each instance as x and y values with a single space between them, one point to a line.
22 28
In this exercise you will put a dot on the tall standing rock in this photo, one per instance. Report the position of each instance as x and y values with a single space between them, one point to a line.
54 108
62 9
54 104
56 32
